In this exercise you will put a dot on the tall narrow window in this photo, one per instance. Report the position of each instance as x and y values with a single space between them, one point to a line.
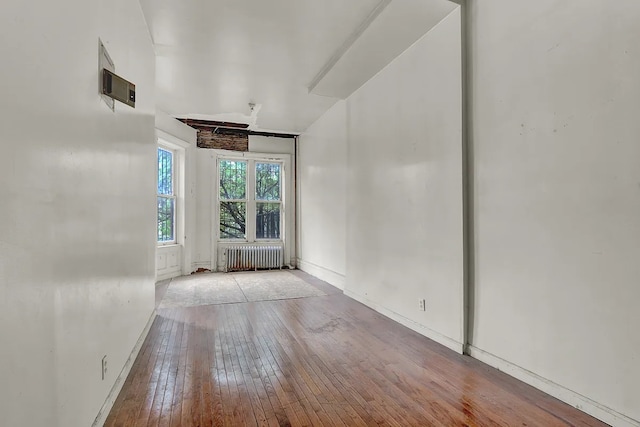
166 197
268 200
233 199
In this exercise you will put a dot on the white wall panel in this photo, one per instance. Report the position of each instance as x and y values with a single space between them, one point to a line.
205 177
77 224
270 144
404 203
557 184
322 216
168 261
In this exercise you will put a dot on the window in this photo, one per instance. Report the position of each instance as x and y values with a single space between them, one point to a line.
233 199
250 199
166 197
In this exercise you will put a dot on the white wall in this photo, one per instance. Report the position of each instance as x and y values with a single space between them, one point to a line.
322 192
404 204
398 198
205 177
554 105
557 183
77 237
271 144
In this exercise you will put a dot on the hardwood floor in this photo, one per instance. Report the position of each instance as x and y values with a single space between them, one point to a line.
324 360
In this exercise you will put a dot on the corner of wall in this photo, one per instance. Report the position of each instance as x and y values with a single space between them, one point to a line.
331 277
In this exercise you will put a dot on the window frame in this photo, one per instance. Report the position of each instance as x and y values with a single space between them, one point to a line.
174 190
256 201
250 196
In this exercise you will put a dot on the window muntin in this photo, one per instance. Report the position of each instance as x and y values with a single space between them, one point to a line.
166 196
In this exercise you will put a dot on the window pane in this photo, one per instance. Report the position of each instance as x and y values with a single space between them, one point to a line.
165 172
233 179
267 181
233 220
267 220
165 219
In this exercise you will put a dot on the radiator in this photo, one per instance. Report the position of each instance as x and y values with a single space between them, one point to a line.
251 257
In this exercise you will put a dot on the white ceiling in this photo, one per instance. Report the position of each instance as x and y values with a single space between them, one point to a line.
214 57
396 28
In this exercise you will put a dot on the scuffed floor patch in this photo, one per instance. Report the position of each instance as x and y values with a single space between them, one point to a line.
274 285
226 288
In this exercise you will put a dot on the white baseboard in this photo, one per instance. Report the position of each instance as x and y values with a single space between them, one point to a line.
201 264
329 276
117 386
446 341
168 275
572 398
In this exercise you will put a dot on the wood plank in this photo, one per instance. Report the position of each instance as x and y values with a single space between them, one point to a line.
173 406
324 360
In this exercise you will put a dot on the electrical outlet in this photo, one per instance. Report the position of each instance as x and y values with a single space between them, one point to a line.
423 304
104 367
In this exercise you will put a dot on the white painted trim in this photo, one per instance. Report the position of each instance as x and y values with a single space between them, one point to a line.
436 336
336 280
183 194
201 264
169 274
117 386
167 271
570 397
174 127
172 140
177 154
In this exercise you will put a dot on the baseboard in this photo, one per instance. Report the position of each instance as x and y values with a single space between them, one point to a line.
168 275
446 341
329 276
117 386
572 398
200 264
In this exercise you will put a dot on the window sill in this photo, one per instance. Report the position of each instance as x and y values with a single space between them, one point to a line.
257 242
168 245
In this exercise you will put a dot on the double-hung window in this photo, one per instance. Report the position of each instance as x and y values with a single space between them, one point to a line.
250 199
166 197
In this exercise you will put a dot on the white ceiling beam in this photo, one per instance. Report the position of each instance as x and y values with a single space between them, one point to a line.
382 4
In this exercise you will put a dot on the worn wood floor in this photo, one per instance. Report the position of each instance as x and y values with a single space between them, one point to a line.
316 361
